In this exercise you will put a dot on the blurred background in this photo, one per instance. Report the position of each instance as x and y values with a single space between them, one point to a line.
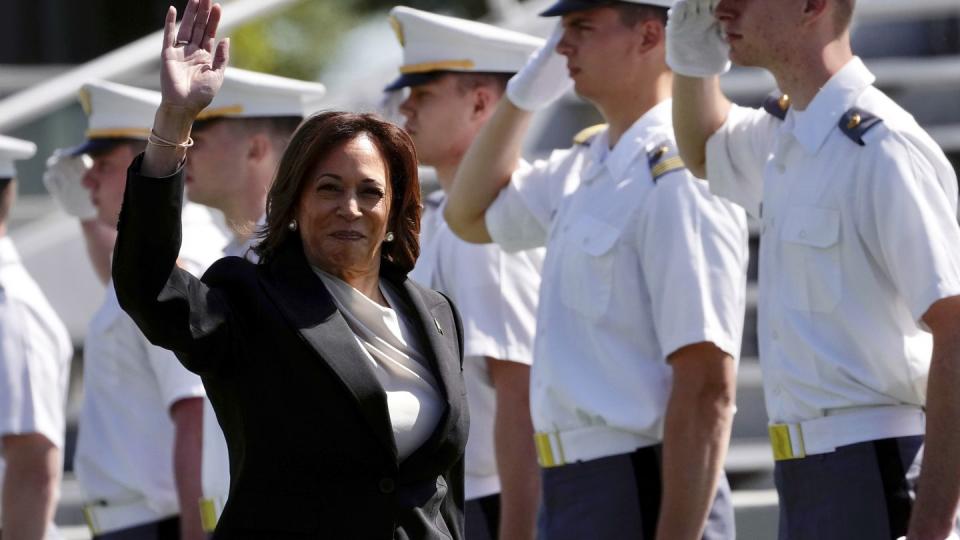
48 48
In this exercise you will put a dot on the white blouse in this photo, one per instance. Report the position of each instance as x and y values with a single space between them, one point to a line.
393 347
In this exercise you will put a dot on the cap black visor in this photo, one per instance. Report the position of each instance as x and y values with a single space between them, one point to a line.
98 146
413 79
569 6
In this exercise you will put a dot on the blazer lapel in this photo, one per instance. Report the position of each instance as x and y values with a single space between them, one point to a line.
445 363
308 307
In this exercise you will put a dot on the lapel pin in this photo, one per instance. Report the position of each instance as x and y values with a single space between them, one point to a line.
439 329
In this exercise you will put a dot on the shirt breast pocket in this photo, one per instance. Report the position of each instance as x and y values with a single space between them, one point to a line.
587 267
811 257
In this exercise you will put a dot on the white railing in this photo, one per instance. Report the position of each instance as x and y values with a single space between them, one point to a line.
53 93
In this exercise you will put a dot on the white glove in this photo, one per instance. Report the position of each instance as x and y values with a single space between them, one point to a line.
544 79
695 45
63 180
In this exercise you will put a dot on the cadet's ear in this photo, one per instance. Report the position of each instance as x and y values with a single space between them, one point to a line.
650 33
259 147
484 101
814 9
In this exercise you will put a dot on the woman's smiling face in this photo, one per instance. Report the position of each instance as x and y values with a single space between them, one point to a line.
344 209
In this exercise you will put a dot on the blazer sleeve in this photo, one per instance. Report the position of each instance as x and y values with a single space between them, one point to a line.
173 309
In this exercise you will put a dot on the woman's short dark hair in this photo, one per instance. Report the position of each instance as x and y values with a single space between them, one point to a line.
313 141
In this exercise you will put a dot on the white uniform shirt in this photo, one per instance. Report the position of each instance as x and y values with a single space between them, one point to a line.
634 271
35 353
126 439
857 243
496 295
215 466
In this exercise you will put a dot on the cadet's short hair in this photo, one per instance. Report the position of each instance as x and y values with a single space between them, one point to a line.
278 128
137 146
6 198
471 81
843 11
633 14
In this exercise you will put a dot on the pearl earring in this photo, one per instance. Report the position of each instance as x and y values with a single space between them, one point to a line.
389 237
292 225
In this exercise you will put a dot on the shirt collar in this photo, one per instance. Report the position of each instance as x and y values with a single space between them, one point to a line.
8 253
618 160
811 126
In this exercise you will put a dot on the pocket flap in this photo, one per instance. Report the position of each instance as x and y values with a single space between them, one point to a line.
812 226
594 236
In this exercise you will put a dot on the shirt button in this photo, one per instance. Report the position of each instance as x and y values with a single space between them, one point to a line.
387 485
775 335
776 390
803 234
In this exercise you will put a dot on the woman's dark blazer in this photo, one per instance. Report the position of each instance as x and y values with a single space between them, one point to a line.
312 453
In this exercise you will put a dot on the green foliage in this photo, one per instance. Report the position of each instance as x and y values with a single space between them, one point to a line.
298 41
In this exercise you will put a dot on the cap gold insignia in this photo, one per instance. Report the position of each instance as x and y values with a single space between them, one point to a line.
85 101
397 29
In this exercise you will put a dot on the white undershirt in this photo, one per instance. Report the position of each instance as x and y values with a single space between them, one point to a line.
394 350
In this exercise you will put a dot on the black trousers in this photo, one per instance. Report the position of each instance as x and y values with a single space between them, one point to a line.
168 529
482 518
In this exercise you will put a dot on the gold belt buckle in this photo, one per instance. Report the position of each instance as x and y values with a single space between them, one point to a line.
545 455
782 443
208 514
91 519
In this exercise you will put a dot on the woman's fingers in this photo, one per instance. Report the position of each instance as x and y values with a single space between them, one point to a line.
170 28
186 23
200 23
222 56
210 34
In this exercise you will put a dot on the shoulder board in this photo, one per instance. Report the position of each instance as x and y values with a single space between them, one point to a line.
777 105
663 160
856 122
587 135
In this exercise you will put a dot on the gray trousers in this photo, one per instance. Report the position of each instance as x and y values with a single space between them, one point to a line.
616 497
863 490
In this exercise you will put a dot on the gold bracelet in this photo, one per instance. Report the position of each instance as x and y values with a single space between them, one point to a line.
157 140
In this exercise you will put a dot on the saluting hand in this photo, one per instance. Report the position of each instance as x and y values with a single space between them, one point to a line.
192 70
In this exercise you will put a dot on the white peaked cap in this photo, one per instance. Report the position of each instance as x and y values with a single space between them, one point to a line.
118 111
435 43
12 150
248 94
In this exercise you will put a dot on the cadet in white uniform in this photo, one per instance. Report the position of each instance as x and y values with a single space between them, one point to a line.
238 140
138 453
639 331
859 266
35 353
456 72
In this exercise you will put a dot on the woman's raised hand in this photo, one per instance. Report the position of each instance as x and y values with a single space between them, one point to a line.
192 69
190 76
